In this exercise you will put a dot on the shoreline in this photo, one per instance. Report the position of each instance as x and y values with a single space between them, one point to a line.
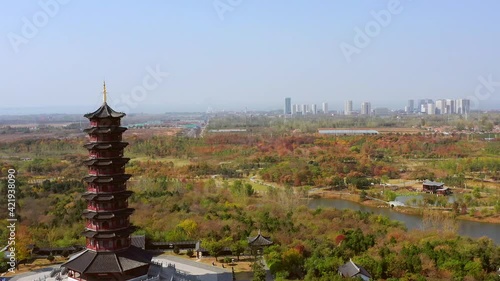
404 210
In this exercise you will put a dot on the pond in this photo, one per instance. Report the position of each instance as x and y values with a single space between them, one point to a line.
465 228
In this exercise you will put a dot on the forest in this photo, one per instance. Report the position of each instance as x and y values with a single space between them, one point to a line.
224 187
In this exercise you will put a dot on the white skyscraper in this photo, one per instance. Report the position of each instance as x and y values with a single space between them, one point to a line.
366 108
305 110
440 107
325 107
431 108
348 107
314 109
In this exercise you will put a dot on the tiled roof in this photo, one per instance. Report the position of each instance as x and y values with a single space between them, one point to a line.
103 262
105 145
106 162
259 240
350 269
107 196
105 130
104 111
106 179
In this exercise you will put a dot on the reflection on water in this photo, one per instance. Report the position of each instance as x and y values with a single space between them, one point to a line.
466 228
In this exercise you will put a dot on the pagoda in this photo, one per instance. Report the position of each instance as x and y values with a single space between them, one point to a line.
109 254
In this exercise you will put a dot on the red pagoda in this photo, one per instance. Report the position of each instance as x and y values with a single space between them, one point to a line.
109 254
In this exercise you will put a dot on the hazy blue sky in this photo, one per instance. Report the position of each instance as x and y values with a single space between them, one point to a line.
253 54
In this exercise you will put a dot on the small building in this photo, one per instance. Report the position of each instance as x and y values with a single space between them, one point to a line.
258 243
443 191
352 270
432 186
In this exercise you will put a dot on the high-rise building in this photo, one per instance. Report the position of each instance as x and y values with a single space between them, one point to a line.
431 108
462 106
109 254
288 106
411 106
325 107
305 109
440 107
298 109
450 106
366 108
294 109
348 107
314 108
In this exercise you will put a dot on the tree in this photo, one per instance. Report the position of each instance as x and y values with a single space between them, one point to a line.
259 273
214 247
238 248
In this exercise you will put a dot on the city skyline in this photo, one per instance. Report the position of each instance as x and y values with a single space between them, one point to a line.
231 55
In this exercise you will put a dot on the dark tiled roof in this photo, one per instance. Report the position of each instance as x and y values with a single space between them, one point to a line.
105 145
106 162
138 240
104 262
111 234
433 183
350 269
105 111
107 196
107 215
106 179
259 240
105 130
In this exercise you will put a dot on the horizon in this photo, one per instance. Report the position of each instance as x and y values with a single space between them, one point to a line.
190 56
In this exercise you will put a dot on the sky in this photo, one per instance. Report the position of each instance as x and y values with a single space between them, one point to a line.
191 55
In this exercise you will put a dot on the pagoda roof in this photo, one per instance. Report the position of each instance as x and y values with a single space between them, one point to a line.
105 130
106 161
259 240
105 111
109 262
104 215
105 145
106 196
106 179
103 234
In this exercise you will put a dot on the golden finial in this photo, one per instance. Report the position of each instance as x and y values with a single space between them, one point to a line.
104 92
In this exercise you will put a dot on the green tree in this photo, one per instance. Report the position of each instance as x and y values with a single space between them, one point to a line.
238 248
259 273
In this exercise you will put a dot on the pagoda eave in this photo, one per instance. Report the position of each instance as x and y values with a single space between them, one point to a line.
107 179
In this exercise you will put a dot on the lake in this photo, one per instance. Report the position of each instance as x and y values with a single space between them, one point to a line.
465 228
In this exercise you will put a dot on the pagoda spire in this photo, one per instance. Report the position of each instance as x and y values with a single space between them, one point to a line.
104 93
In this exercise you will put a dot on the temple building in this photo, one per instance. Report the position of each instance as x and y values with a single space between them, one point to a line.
109 254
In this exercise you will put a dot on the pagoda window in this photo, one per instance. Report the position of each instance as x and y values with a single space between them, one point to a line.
119 243
105 225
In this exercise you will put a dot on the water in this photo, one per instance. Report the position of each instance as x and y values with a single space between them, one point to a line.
465 228
405 199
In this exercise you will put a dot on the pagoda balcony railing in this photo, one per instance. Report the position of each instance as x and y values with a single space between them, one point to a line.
99 247
104 123
111 226
112 208
106 154
106 172
106 189
105 138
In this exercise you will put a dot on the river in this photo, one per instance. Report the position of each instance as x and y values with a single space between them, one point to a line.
466 228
